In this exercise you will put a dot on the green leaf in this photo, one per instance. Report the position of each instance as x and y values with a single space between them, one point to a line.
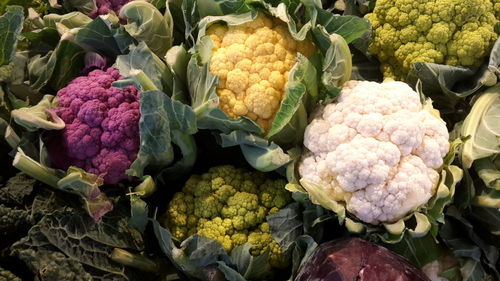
138 212
303 248
67 244
488 217
84 6
102 37
146 23
286 225
229 273
349 27
291 119
463 239
249 266
194 254
141 57
40 116
160 118
218 8
420 251
261 154
69 20
57 67
11 25
482 124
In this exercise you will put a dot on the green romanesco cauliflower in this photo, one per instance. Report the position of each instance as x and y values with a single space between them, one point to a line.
6 275
452 32
229 205
263 242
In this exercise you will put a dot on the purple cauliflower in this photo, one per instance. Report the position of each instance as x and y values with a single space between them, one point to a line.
102 126
103 7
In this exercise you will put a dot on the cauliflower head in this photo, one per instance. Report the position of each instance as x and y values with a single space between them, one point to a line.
252 61
452 32
101 134
377 150
229 205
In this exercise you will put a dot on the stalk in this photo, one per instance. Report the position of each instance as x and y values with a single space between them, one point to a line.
35 169
146 187
143 80
133 260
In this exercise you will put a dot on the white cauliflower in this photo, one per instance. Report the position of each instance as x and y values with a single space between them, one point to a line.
377 150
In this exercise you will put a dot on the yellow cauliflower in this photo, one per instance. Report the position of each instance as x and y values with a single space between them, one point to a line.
253 61
452 32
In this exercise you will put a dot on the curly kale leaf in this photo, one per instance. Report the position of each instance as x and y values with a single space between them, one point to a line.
16 190
13 220
68 245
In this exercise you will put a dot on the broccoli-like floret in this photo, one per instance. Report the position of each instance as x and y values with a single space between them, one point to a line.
6 275
263 242
451 32
244 210
13 220
229 205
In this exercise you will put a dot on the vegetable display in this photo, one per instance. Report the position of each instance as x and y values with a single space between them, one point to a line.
442 31
250 140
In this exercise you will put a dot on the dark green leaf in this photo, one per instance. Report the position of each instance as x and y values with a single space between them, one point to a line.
161 117
67 245
100 37
56 68
420 251
11 24
261 154
141 57
249 266
286 225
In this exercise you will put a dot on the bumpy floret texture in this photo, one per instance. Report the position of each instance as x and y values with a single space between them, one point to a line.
252 61
6 275
102 125
103 7
377 150
452 32
229 205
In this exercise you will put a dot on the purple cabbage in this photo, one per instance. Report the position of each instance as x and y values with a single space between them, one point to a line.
355 259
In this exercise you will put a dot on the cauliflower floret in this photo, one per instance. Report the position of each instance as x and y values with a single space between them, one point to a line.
375 152
102 125
252 61
229 205
453 32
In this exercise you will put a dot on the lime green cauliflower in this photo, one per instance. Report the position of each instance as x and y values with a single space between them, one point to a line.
229 205
452 32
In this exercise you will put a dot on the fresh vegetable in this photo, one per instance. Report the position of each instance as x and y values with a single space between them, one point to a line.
356 259
449 32
253 62
257 70
367 151
101 134
229 205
